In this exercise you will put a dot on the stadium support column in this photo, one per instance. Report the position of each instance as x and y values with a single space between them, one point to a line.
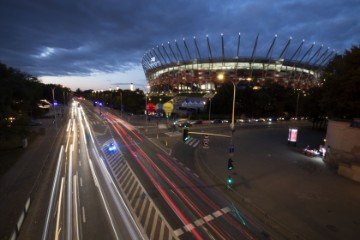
222 49
253 55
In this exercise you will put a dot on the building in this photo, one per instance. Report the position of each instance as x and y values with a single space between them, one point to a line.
193 66
343 147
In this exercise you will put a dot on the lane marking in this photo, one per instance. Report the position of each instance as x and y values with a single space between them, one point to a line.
201 221
196 144
83 214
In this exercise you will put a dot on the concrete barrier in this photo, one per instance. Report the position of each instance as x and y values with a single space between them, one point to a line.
351 171
20 221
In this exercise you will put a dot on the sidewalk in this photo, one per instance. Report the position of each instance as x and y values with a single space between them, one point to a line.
20 181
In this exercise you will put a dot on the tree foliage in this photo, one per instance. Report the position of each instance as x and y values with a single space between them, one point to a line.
20 94
341 89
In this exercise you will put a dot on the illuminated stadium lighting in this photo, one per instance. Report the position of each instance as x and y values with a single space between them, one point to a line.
194 66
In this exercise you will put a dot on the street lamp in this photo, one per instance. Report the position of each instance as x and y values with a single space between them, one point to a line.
298 101
209 107
232 127
53 95
146 112
221 77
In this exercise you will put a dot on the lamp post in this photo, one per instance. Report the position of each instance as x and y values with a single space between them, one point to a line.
146 112
232 127
121 104
53 95
209 107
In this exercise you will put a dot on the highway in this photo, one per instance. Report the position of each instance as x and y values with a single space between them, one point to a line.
83 201
167 199
108 181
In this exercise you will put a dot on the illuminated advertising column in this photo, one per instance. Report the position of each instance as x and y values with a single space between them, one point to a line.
292 136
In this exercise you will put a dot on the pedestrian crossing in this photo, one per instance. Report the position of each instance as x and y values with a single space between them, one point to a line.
143 208
95 122
193 142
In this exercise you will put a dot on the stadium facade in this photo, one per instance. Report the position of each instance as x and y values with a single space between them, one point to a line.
193 66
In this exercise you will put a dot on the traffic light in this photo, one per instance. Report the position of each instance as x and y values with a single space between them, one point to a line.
230 165
229 180
185 134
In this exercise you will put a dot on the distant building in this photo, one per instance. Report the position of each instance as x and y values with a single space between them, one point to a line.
193 66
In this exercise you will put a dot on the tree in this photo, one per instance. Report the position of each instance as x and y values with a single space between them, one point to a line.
341 89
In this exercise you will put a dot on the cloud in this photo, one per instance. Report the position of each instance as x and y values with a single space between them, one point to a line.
78 38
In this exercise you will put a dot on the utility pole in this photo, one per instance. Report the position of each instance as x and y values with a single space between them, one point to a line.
54 104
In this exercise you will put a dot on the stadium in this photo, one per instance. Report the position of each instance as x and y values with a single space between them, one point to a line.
194 66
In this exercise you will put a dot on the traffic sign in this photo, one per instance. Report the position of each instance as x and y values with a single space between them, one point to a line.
206 141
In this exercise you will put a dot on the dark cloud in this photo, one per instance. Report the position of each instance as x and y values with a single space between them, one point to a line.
66 37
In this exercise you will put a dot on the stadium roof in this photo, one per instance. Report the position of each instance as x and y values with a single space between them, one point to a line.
171 63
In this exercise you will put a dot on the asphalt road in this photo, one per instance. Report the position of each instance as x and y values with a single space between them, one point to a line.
155 186
167 199
77 200
297 195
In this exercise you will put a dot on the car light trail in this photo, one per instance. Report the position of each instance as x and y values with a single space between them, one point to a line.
69 197
68 140
82 125
68 126
51 202
75 200
128 126
129 142
182 195
57 229
116 195
202 195
156 184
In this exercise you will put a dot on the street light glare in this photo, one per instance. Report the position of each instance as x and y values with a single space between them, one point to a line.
220 76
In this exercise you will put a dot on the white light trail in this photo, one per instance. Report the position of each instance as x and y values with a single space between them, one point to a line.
69 196
57 229
76 216
49 211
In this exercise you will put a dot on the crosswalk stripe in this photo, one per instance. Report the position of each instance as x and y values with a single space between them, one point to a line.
201 221
193 142
197 143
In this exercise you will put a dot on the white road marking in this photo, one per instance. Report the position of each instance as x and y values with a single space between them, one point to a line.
83 214
201 221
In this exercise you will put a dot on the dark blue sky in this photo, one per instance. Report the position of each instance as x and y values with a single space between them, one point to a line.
93 44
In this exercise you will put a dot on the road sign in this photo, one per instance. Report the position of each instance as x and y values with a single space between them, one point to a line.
206 141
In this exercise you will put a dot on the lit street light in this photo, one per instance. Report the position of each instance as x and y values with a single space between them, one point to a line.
221 77
53 95
232 127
